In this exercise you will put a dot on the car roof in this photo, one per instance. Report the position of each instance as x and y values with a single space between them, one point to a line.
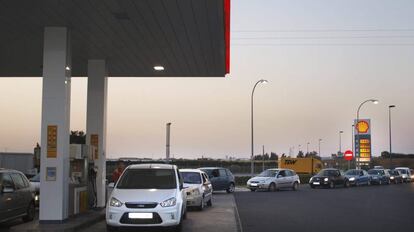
5 170
152 166
191 170
212 168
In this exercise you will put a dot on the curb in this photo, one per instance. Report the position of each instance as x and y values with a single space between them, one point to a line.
237 216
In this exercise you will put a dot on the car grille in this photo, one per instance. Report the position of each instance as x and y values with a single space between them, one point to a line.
254 182
141 205
156 219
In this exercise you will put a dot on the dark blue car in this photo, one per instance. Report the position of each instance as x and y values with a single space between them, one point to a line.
379 176
358 177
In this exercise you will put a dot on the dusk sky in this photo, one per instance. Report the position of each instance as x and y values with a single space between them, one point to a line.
322 58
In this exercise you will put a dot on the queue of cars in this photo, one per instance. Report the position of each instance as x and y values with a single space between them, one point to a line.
159 194
332 177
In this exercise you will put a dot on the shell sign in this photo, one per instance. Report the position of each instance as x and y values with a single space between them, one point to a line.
362 127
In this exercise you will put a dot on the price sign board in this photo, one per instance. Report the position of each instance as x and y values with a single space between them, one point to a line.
363 140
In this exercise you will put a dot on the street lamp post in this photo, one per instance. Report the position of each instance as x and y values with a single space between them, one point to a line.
356 125
340 143
353 143
252 155
319 147
389 119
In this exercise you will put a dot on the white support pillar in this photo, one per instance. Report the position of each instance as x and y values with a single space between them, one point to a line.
54 168
96 122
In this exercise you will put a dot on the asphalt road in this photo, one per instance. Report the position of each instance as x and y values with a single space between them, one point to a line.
368 209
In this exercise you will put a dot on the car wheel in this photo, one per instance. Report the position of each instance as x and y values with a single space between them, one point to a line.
295 186
346 184
111 228
210 202
201 206
231 188
30 213
331 185
272 187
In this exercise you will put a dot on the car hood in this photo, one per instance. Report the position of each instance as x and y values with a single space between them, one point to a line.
143 195
190 186
259 178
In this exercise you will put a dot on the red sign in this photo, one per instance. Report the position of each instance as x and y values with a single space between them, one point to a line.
348 155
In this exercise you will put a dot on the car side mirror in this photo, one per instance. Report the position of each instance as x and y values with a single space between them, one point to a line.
8 190
111 185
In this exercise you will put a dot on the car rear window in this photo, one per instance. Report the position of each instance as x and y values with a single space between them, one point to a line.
191 177
148 179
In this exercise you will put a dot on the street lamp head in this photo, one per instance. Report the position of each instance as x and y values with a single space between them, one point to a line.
375 101
341 132
391 106
263 81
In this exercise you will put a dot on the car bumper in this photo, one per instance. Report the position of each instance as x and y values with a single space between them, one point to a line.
254 186
194 200
319 184
162 217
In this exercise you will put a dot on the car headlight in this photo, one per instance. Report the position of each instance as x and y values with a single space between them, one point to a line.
311 179
326 179
392 178
168 203
115 202
352 179
195 192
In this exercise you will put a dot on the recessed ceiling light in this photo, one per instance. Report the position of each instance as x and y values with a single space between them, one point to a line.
159 68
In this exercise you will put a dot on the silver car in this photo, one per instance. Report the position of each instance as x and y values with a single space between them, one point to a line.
198 188
274 179
16 196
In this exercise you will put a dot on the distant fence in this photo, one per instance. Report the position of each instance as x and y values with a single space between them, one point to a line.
238 168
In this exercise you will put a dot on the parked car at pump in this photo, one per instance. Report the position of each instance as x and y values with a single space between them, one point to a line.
358 177
198 188
16 196
274 179
406 173
329 177
395 176
220 178
35 185
147 195
379 176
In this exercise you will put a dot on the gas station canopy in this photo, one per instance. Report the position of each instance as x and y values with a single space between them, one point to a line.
189 38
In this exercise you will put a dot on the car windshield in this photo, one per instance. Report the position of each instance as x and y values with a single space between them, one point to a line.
35 178
393 173
374 172
327 173
403 171
191 177
268 173
352 172
148 179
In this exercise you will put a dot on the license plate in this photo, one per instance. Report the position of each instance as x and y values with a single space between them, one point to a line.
253 184
316 183
140 215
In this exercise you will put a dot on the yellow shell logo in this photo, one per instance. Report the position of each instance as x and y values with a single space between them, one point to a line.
362 127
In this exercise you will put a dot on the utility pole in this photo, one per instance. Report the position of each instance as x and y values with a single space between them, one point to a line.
167 155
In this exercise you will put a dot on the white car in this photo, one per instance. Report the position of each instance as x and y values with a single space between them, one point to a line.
405 173
274 179
147 195
198 188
